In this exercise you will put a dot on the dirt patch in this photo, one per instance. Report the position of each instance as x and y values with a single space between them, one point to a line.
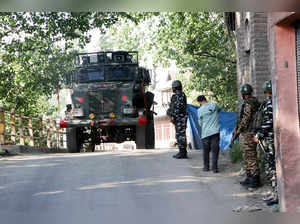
235 173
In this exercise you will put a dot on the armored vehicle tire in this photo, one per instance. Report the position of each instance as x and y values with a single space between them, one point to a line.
150 135
144 136
140 136
73 143
92 147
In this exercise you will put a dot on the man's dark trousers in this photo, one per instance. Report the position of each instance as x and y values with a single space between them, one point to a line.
211 143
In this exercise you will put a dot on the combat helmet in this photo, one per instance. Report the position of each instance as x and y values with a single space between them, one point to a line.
176 85
267 86
246 89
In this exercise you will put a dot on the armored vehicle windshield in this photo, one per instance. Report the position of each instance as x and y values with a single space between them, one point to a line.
120 73
107 74
90 75
107 67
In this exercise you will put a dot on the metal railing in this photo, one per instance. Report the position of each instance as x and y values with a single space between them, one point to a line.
16 129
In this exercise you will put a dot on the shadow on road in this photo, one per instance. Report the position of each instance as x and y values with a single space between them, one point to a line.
139 173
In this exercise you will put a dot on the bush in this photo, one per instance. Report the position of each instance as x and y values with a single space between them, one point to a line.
235 153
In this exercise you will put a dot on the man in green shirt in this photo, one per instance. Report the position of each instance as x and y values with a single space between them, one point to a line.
208 119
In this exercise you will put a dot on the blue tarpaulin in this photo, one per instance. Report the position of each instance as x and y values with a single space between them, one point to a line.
227 121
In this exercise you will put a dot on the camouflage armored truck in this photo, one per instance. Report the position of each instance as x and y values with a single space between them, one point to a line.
110 102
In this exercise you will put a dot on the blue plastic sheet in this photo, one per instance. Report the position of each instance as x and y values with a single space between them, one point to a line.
194 127
227 121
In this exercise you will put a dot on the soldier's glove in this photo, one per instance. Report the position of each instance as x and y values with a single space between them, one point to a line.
171 120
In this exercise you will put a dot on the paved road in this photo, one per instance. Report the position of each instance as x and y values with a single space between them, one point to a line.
113 187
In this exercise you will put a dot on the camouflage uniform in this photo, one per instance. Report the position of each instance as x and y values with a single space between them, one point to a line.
249 107
265 134
177 112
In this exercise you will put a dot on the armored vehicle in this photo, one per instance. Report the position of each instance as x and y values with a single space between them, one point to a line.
110 102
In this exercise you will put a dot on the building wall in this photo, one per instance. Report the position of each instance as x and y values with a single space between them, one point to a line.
282 41
252 50
164 132
267 50
164 129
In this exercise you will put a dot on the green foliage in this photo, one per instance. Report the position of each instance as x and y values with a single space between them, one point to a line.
235 153
131 36
3 153
200 44
36 51
261 163
197 42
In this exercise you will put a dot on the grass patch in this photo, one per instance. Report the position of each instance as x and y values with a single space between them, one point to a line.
4 153
261 164
235 153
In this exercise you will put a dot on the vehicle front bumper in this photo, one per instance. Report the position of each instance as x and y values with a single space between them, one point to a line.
101 123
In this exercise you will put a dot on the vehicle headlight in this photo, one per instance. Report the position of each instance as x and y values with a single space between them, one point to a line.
112 115
92 116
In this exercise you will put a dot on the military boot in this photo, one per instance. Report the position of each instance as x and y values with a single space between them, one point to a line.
254 182
246 181
176 155
268 197
182 154
274 201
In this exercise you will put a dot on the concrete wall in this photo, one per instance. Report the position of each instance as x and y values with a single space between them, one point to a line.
286 119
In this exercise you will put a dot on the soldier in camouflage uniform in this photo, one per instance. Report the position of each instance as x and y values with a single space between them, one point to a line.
177 113
244 130
265 136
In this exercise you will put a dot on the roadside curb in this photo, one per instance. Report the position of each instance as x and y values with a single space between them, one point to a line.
17 149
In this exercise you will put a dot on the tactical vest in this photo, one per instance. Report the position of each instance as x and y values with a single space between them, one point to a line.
254 108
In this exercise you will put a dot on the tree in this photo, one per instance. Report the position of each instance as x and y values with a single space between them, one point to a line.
36 51
132 35
200 44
